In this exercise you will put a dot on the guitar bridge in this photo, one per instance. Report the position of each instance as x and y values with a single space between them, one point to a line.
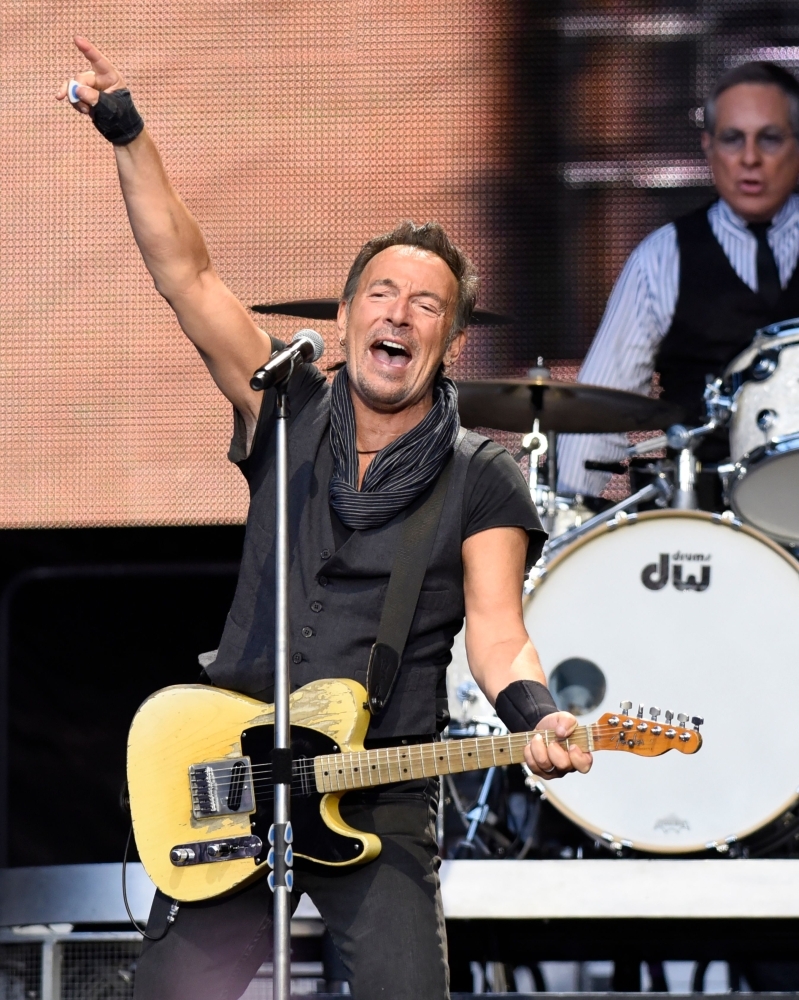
221 787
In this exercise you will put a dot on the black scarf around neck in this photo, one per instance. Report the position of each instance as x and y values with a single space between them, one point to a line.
398 473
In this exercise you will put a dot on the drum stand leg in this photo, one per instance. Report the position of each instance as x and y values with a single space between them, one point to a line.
685 494
475 816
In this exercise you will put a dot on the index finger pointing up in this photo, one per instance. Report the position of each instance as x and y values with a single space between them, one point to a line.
99 62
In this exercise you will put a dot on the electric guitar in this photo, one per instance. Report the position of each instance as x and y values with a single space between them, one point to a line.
200 776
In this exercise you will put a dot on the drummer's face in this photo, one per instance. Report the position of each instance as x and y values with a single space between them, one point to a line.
753 152
397 326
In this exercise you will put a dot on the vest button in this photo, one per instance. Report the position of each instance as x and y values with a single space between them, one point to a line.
322 581
316 606
325 553
297 658
307 632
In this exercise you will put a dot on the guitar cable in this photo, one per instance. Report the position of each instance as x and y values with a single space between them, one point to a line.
173 909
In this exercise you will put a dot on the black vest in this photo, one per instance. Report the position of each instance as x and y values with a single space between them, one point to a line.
716 317
336 593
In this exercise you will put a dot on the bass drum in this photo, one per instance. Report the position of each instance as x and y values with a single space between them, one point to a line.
690 611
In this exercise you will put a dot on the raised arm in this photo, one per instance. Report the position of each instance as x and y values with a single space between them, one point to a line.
175 253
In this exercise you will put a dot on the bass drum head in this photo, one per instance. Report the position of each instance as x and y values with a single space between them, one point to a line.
689 612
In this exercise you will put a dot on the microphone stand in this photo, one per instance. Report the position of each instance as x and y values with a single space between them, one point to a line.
281 878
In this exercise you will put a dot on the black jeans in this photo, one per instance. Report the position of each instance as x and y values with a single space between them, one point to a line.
384 917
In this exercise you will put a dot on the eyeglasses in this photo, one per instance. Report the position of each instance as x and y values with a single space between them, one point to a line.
769 141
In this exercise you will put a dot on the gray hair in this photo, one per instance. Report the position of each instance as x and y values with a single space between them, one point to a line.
767 73
430 237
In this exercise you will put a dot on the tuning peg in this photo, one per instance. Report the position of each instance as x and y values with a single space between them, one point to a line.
669 716
640 711
625 706
682 719
654 714
697 722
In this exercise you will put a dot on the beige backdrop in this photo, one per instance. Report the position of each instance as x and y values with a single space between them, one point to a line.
294 131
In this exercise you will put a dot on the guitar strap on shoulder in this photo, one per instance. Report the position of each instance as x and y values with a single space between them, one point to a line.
404 586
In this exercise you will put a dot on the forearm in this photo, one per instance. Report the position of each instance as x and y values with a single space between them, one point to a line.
167 234
495 665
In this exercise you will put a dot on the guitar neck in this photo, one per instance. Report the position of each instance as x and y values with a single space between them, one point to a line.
363 769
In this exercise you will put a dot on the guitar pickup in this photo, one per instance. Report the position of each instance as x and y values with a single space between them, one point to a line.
221 787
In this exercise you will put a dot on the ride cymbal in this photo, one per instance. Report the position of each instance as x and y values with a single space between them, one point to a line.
565 407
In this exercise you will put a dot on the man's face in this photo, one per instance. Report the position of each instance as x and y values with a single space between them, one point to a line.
397 325
753 153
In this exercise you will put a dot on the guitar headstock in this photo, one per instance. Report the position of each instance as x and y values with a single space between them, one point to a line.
646 737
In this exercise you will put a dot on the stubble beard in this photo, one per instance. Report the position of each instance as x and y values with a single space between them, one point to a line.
385 395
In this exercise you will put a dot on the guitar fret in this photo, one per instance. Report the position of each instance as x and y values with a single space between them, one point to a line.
410 762
405 762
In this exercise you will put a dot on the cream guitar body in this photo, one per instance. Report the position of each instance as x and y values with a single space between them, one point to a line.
188 725
201 788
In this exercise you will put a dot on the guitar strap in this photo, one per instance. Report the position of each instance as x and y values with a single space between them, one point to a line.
404 586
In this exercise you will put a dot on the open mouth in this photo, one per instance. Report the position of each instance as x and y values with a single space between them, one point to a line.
391 353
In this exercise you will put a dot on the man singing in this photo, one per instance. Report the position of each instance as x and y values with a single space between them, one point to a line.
364 453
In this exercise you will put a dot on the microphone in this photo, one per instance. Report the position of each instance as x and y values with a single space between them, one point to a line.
306 345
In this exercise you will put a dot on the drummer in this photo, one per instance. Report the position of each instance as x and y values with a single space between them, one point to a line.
693 293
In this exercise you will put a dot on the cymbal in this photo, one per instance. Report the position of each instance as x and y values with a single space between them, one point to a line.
328 309
566 407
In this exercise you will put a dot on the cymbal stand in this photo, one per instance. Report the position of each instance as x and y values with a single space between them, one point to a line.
542 475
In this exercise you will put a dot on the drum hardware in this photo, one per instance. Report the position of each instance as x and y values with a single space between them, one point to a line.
683 440
479 815
542 475
660 491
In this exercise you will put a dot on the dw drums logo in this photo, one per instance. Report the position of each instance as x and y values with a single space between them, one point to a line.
695 576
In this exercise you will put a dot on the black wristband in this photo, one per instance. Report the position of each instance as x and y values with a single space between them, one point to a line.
523 704
115 117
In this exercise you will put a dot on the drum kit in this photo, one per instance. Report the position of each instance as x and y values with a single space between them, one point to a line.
670 603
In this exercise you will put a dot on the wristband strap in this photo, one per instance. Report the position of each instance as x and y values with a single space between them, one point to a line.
115 117
523 704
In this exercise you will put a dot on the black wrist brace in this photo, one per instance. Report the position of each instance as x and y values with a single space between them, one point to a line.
523 704
115 117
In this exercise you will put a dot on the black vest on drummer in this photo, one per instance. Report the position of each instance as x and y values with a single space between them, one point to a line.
716 317
337 583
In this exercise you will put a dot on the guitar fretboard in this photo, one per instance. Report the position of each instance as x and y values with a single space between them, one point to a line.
362 769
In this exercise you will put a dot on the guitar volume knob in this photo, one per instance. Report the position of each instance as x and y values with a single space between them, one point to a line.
181 856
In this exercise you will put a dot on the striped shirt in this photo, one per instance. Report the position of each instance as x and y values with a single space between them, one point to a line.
639 313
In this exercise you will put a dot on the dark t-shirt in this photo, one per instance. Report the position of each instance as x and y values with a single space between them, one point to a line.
338 578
